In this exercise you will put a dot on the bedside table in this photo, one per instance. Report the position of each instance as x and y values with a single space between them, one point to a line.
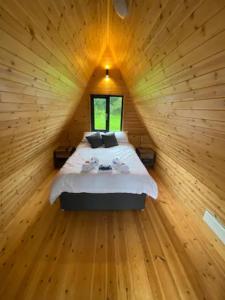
61 154
146 155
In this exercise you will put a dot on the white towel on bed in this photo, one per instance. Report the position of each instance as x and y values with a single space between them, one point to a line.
90 164
120 166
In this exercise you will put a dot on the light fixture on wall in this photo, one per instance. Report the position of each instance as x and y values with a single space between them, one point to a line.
107 73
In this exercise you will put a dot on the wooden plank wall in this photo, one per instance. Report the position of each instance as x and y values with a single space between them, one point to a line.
115 85
172 57
47 54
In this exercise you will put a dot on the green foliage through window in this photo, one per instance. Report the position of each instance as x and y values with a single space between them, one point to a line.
115 113
107 112
100 113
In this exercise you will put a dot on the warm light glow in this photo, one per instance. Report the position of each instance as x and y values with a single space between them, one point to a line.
107 73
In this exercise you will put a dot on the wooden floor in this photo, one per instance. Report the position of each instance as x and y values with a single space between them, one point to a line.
159 253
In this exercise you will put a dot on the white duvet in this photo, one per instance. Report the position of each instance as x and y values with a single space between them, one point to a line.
70 178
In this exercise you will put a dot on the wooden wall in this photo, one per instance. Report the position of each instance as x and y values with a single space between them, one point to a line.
115 85
47 54
172 57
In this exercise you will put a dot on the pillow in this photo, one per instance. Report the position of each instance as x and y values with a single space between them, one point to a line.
109 140
87 133
95 140
121 137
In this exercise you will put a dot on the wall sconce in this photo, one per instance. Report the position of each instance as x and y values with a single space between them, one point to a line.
107 73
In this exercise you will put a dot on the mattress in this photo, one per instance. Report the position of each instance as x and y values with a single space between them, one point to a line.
71 179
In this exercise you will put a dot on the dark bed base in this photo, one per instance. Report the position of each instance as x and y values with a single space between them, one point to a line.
88 201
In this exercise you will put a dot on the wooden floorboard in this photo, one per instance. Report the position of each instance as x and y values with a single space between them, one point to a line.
163 252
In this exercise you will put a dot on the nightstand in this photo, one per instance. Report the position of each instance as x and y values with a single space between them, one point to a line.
61 154
146 155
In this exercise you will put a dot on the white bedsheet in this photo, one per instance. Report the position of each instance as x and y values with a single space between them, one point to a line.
71 179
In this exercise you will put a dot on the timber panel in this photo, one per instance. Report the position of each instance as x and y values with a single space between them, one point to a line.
175 71
114 85
47 54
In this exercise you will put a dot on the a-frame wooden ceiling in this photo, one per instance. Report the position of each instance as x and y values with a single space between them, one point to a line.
172 57
171 54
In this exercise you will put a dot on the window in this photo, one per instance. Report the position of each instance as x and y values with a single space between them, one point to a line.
106 112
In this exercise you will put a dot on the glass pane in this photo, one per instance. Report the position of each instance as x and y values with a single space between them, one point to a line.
115 113
99 113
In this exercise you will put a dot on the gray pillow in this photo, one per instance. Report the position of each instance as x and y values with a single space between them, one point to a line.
95 140
109 140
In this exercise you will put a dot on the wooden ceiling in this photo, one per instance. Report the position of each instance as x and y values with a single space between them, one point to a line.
114 85
172 57
48 50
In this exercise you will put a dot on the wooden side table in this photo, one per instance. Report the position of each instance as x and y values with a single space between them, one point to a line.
61 154
147 156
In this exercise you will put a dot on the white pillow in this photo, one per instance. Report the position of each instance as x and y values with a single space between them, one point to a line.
121 136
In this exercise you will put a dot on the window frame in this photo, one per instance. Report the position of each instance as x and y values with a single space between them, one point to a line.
107 97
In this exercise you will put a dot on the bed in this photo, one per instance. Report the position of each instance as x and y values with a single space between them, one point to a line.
96 190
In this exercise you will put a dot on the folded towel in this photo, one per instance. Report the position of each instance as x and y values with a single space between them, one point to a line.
90 164
87 167
123 168
94 161
116 161
119 166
